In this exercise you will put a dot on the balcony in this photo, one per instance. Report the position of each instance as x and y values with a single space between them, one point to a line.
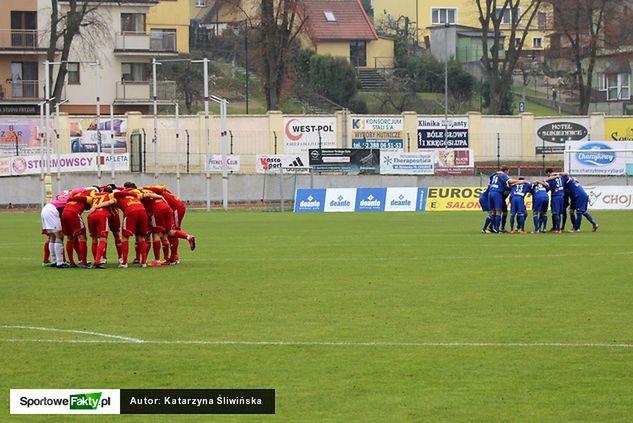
19 90
135 43
141 91
14 41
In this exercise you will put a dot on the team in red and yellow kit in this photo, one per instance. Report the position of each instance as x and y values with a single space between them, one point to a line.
140 207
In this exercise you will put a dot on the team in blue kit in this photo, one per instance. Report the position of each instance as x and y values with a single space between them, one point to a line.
563 190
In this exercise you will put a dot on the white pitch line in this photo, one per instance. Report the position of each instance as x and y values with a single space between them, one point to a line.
74 331
332 344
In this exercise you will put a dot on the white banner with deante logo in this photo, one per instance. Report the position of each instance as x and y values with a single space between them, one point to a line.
65 401
597 157
302 133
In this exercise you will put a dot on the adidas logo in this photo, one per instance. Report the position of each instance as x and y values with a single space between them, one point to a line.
296 163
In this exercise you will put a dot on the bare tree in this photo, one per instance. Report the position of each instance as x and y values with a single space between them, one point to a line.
499 63
80 19
581 24
280 25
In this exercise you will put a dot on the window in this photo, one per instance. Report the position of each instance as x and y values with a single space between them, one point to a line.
73 73
617 86
517 42
135 72
541 20
24 79
23 29
442 16
132 22
506 15
329 16
163 39
602 82
537 42
201 3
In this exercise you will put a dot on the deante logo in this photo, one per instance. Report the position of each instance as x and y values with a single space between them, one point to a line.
85 401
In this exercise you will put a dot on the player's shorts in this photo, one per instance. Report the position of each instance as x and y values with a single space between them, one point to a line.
517 204
98 224
162 220
135 223
73 224
581 203
483 202
539 204
179 214
495 200
51 221
114 222
556 204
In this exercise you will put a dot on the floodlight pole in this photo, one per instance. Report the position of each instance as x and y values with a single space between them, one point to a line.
98 121
155 105
47 95
41 137
113 172
177 149
205 62
446 26
59 145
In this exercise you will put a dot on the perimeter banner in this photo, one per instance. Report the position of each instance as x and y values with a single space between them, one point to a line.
597 157
551 134
431 132
74 162
345 160
304 133
378 132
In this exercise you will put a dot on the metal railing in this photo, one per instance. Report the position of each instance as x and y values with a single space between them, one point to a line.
20 38
141 90
142 41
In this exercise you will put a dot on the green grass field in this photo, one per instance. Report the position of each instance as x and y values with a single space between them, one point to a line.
350 317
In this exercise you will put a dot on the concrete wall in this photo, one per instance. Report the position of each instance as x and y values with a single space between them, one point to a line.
254 135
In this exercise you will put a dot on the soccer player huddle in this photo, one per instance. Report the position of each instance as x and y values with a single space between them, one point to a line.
565 192
153 215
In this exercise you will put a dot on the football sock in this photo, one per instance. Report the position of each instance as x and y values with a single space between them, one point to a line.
173 243
504 218
589 218
556 220
58 245
180 234
521 220
101 249
537 222
93 249
165 244
512 221
156 248
125 247
48 252
117 244
144 248
487 223
83 251
564 220
69 251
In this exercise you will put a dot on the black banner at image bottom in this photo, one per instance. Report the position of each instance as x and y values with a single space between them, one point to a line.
197 401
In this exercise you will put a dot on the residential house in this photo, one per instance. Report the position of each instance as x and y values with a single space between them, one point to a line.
168 24
121 44
425 14
341 28
611 79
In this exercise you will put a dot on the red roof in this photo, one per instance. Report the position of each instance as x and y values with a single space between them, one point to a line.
346 20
